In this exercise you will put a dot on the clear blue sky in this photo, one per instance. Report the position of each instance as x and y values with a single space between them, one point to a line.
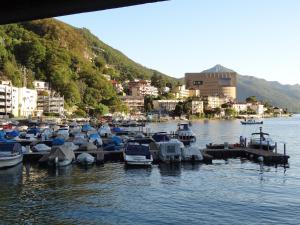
253 37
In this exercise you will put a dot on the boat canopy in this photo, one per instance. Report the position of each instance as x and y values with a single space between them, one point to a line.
86 128
161 136
62 153
10 147
137 149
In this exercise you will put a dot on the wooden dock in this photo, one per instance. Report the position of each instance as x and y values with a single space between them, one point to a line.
257 155
101 156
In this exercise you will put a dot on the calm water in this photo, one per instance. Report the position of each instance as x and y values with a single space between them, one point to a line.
226 192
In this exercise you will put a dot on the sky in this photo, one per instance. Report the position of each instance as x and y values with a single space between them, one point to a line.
253 37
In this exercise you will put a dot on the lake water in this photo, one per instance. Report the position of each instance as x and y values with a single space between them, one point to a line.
225 192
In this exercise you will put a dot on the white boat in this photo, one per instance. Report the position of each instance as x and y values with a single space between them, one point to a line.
191 154
137 152
10 154
185 134
104 131
251 122
85 159
170 151
262 141
41 148
60 156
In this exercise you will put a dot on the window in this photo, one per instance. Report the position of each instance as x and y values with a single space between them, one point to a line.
198 82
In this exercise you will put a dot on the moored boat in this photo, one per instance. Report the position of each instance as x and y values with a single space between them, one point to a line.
170 151
185 134
251 122
262 140
10 154
137 153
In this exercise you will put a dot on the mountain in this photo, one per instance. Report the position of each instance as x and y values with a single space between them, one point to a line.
286 96
71 59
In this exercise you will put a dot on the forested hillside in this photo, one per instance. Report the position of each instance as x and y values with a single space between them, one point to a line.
73 60
286 96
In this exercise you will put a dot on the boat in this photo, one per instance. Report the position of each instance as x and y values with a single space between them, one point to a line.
137 152
185 134
170 151
85 159
10 154
262 140
219 146
60 156
41 148
191 154
104 131
251 122
161 137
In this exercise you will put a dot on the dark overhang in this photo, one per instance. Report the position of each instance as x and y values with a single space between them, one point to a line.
22 10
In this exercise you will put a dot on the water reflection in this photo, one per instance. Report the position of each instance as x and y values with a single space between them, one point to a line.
191 166
166 169
11 176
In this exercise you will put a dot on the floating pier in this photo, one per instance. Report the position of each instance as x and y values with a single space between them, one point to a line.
257 155
267 157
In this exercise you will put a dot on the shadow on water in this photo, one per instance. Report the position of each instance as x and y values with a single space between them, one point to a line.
195 166
60 171
167 169
11 176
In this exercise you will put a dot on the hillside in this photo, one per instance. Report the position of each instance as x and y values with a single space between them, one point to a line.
73 60
286 96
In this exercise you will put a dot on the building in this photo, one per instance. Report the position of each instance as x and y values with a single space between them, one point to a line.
212 102
257 108
27 101
41 85
117 86
50 104
142 88
240 107
217 81
5 98
181 92
194 93
134 103
197 107
164 106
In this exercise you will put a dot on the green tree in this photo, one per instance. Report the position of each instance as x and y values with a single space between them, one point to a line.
30 53
251 99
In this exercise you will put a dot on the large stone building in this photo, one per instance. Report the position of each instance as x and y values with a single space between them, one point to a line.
217 81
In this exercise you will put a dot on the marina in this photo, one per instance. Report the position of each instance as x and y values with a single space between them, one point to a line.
210 180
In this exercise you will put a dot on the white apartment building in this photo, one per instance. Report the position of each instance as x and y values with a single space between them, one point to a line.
257 108
240 107
142 88
212 102
164 105
181 92
27 99
5 99
40 85
50 104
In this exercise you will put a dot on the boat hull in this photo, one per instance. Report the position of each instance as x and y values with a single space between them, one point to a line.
10 161
137 160
251 123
